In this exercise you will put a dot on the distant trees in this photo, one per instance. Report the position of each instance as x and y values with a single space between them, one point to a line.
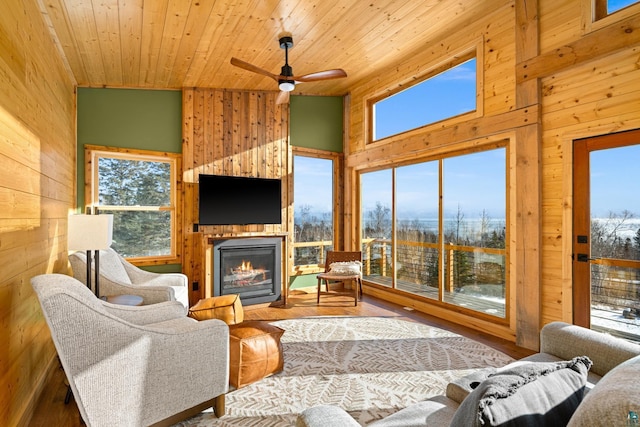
136 189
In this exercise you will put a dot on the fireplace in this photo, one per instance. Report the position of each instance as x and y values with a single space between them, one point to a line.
249 267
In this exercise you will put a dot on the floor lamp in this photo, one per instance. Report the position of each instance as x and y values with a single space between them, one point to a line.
90 233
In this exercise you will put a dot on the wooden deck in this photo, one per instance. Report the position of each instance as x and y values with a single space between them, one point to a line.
483 305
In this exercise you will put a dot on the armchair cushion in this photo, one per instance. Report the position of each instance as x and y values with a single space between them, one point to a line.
111 267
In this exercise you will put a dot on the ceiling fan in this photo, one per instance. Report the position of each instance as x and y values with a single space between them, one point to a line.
286 80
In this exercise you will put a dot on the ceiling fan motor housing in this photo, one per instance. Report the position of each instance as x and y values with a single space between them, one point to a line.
286 42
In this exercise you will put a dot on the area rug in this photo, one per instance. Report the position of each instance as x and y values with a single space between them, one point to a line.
369 366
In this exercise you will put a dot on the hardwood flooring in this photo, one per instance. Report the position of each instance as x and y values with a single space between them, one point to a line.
51 411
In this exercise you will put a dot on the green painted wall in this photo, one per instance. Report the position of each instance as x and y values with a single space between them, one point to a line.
129 118
316 122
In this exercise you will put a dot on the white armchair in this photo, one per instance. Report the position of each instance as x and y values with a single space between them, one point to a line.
120 277
134 366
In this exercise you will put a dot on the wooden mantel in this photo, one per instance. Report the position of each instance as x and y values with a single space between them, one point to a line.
235 133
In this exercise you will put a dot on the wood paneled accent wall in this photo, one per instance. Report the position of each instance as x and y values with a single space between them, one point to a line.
37 181
237 133
550 74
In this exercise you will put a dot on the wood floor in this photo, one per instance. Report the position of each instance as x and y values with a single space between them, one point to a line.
51 410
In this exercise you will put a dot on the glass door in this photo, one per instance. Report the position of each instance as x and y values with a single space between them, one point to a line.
606 240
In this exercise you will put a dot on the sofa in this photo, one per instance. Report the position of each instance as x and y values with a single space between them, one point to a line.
580 377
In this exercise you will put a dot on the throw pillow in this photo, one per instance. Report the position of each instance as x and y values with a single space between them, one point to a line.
345 267
609 402
531 394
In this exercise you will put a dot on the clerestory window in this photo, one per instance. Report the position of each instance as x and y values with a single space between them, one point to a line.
445 93
140 189
607 7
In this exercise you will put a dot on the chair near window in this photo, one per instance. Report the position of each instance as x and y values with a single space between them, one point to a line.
341 267
120 277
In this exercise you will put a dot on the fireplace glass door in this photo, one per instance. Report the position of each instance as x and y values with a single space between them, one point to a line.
248 268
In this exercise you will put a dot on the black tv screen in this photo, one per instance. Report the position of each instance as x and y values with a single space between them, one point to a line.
234 200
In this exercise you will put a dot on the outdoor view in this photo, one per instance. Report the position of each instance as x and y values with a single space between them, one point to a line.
458 254
133 191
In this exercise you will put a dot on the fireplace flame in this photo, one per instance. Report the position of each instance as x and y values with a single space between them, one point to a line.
246 266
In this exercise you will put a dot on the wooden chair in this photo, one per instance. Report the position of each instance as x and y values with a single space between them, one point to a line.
333 277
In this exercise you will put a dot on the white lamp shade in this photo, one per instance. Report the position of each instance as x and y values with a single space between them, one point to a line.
89 232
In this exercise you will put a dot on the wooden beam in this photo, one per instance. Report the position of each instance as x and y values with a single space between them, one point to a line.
527 200
601 42
407 145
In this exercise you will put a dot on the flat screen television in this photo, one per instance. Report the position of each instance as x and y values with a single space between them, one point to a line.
234 200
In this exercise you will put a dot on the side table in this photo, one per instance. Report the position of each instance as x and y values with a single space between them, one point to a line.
123 299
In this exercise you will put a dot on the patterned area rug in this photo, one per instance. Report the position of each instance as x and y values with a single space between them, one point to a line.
369 366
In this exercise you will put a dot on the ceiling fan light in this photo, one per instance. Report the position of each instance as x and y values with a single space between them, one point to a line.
286 85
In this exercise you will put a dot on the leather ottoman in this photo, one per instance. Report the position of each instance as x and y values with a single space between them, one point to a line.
255 352
227 308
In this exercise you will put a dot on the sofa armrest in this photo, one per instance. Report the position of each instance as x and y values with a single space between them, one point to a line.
147 314
325 416
567 341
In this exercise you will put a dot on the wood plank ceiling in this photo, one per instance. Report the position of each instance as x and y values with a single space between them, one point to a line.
189 43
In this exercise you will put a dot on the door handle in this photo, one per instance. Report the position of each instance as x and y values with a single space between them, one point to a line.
585 258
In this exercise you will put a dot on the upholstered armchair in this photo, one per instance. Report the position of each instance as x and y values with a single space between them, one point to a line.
134 366
120 277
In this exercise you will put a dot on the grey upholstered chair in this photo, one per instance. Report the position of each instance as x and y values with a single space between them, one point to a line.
134 366
120 277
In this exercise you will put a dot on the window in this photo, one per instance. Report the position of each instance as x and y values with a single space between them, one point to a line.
437 230
449 93
313 195
140 190
604 8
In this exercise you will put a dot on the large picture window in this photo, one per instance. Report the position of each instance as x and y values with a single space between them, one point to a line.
437 230
449 93
139 189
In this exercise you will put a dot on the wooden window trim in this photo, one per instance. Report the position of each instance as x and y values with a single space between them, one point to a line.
595 16
457 58
93 152
338 204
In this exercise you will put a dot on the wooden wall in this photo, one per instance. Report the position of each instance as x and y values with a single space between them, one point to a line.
237 133
590 85
549 75
37 158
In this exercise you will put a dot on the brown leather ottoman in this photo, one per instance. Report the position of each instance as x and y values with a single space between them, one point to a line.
227 308
255 352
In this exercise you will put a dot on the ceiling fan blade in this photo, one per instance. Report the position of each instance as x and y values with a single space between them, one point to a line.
250 67
322 75
283 98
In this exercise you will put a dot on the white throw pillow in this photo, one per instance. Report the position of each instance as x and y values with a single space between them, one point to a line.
345 267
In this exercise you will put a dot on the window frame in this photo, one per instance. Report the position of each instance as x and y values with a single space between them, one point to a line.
91 195
595 16
451 62
337 159
440 157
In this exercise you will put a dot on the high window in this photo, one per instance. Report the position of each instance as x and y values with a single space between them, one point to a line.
604 8
313 202
140 190
437 230
444 94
